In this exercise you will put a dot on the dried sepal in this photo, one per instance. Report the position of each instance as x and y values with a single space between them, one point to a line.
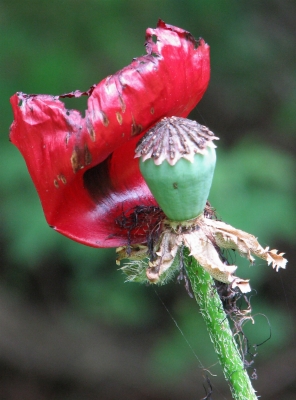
276 260
132 252
136 270
200 247
202 237
166 254
228 237
203 250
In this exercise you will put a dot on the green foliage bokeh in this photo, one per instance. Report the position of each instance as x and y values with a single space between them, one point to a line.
59 46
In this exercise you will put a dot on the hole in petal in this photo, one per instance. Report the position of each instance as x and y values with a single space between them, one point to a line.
75 103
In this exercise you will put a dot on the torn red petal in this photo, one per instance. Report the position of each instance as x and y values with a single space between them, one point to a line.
84 168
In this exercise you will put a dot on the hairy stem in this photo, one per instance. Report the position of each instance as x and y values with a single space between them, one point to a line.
219 330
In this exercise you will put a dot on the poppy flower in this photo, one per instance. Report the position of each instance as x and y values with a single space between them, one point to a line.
84 168
178 160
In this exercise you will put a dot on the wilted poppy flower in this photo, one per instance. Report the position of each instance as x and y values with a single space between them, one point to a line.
178 160
84 167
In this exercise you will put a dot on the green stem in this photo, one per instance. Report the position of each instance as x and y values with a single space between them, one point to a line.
220 333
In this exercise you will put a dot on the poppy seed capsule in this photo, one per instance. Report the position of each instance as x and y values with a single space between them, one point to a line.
177 162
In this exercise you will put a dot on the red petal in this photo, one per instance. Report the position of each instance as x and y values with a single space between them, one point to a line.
84 168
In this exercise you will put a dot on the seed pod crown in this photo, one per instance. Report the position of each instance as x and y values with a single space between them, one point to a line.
174 138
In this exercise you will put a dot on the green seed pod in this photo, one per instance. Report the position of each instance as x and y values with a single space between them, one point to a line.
177 162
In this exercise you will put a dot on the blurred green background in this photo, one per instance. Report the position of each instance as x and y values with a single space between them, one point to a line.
70 328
